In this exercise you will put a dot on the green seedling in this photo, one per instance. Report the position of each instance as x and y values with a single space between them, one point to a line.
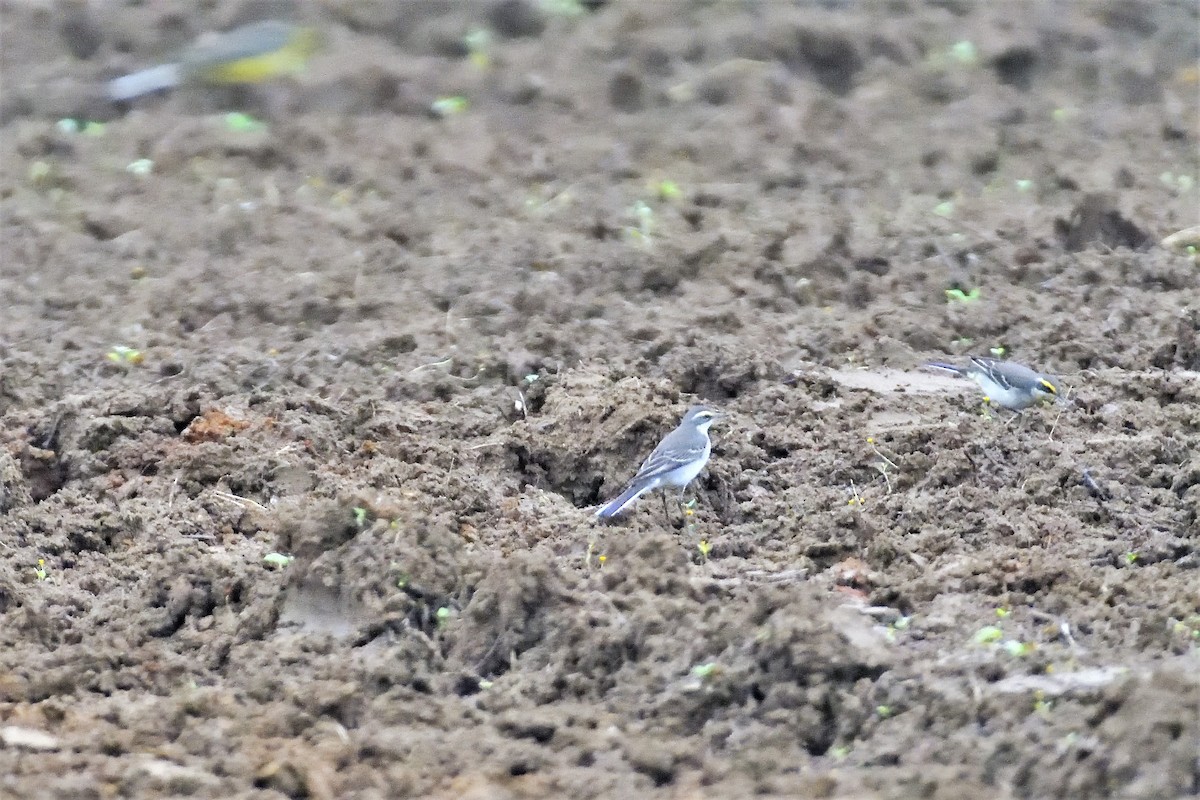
988 634
998 352
965 53
667 190
243 123
125 356
705 547
944 209
477 42
900 624
40 570
839 753
1003 612
1040 704
642 232
277 560
445 107
443 616
563 8
1131 558
959 296
705 671
1024 185
360 516
883 711
71 126
1017 649
140 168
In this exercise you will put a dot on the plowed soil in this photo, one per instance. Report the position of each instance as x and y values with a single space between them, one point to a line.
411 350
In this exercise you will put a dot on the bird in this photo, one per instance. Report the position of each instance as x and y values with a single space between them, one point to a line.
1006 383
248 54
678 459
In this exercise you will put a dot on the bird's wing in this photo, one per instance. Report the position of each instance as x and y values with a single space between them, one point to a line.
667 457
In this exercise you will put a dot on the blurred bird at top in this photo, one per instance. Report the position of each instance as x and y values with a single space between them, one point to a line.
249 54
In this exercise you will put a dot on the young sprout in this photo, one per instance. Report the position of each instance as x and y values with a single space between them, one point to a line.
243 123
360 516
667 190
988 634
959 296
277 560
445 107
1016 649
477 42
644 215
125 356
705 547
965 53
443 616
140 168
40 570
944 209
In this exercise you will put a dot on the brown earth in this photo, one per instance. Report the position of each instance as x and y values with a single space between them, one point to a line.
414 353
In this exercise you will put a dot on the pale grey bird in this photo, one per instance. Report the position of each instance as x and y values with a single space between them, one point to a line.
1006 383
675 463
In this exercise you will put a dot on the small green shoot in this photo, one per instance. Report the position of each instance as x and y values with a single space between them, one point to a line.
360 516
668 190
1017 649
883 711
1040 704
443 616
839 753
988 634
277 560
900 624
965 53
997 351
125 356
239 122
445 107
959 296
1024 185
477 42
1003 612
563 8
1131 558
705 547
642 232
944 209
70 126
40 570
140 168
705 671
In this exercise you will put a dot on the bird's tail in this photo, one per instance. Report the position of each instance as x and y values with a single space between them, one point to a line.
136 84
947 367
621 501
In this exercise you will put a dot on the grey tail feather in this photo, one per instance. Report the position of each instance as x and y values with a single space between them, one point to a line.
947 367
127 87
618 504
